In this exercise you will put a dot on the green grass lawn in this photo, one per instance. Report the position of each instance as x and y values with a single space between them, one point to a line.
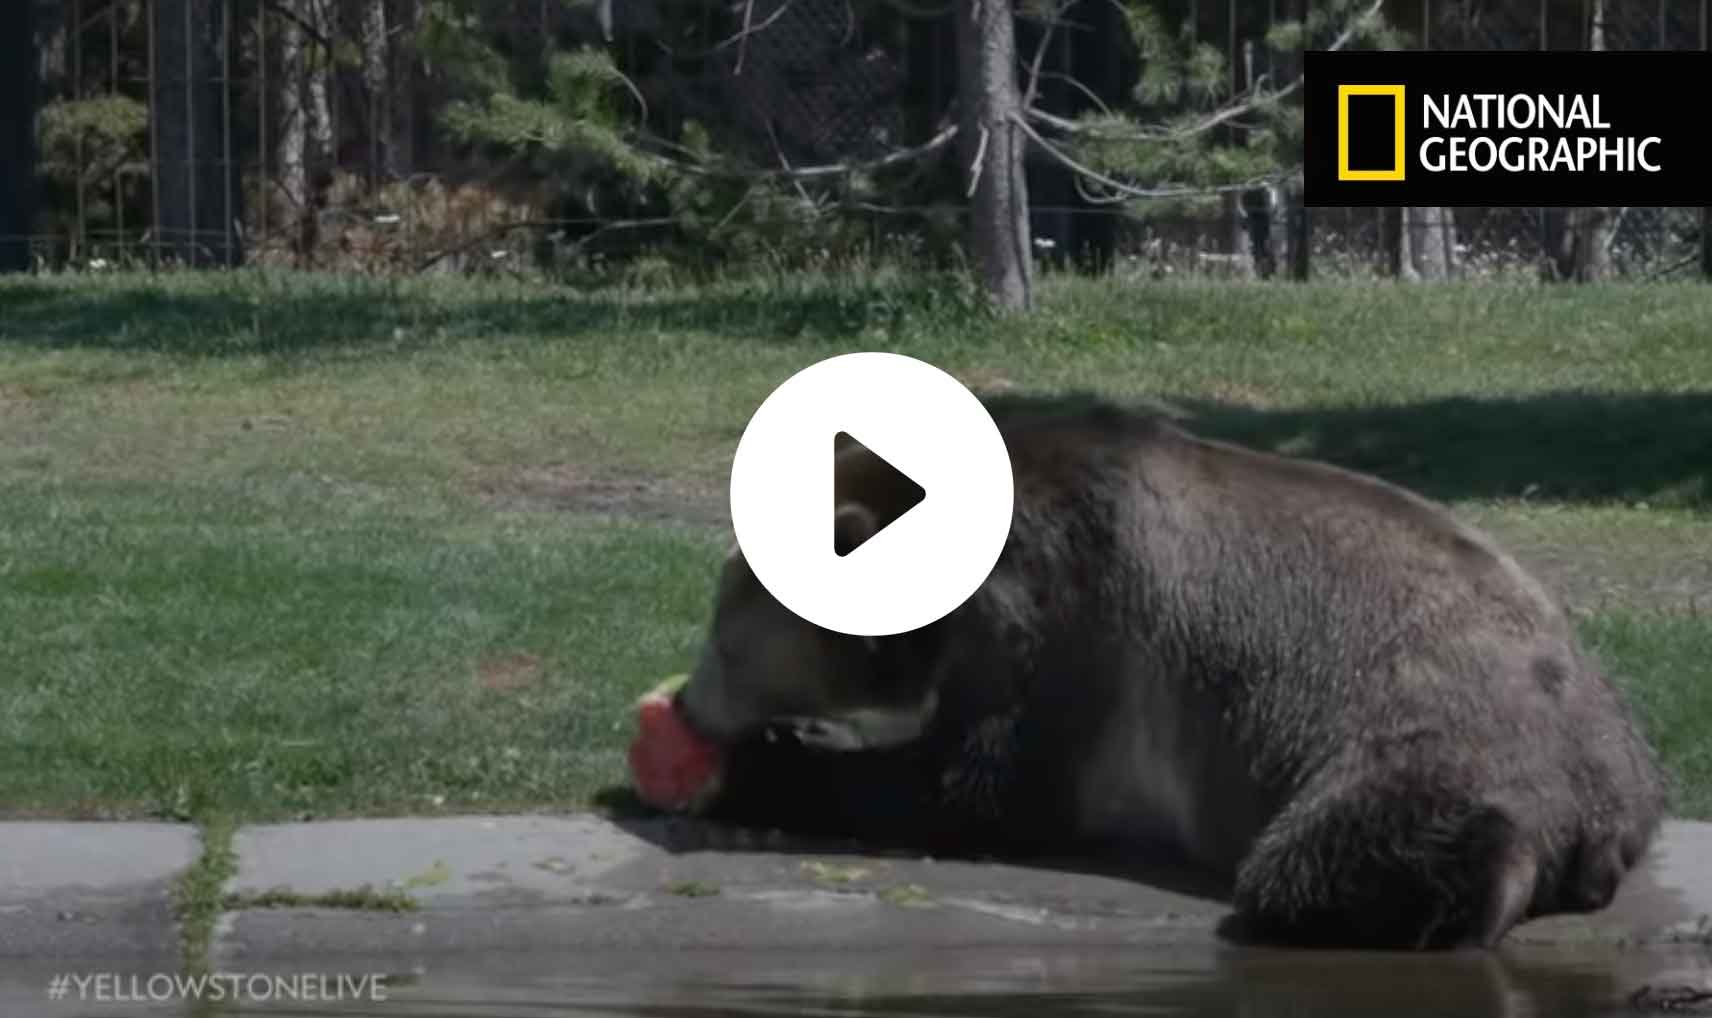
276 546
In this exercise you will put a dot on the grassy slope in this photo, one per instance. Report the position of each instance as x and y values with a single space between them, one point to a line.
298 545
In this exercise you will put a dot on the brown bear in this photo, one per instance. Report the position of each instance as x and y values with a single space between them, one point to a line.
1358 713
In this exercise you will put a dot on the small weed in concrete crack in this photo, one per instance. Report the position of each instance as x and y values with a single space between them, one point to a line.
691 889
197 899
827 873
908 896
359 899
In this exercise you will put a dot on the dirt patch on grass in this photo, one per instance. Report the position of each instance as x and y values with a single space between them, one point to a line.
1628 565
15 399
986 382
1238 394
509 673
569 488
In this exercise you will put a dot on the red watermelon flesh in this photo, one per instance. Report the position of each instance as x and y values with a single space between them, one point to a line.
672 767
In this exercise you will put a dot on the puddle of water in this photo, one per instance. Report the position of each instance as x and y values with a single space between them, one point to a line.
985 983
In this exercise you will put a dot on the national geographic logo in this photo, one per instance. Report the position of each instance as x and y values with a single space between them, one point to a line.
1374 150
1535 128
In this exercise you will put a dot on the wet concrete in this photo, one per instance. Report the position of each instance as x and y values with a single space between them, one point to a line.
488 884
521 883
86 899
573 915
90 890
952 980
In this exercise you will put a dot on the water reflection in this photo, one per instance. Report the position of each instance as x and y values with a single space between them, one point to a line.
948 983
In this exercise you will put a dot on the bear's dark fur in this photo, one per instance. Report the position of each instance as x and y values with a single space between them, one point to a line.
1363 716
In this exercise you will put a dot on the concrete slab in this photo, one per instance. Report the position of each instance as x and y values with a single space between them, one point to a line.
454 862
91 890
582 884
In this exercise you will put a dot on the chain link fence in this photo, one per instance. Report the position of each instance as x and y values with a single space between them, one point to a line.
307 134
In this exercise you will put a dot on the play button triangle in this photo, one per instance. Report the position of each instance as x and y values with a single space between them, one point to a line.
909 494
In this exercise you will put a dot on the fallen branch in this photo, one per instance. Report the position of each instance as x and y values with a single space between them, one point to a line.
537 224
1673 268
1672 999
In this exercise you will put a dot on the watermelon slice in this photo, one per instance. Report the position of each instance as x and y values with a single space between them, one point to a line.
672 767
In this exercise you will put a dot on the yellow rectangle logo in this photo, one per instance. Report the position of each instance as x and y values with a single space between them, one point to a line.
1399 144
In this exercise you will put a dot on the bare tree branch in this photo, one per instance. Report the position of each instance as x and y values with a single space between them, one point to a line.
1124 191
785 163
743 36
734 39
737 206
903 155
315 34
923 13
1236 108
977 164
1673 268
1087 92
635 93
1033 88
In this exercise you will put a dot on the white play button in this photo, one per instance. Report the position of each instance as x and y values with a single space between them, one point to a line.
935 443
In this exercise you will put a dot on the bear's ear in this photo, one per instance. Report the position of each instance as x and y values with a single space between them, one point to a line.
852 524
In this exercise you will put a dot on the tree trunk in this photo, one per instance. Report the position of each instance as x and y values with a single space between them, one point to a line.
305 140
1258 206
318 82
401 129
1298 223
196 190
387 82
992 149
1595 227
1419 242
1582 248
17 135
1394 238
1432 240
292 139
1298 234
376 75
1706 242
1557 245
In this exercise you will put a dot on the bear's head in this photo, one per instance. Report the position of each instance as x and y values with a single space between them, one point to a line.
762 666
